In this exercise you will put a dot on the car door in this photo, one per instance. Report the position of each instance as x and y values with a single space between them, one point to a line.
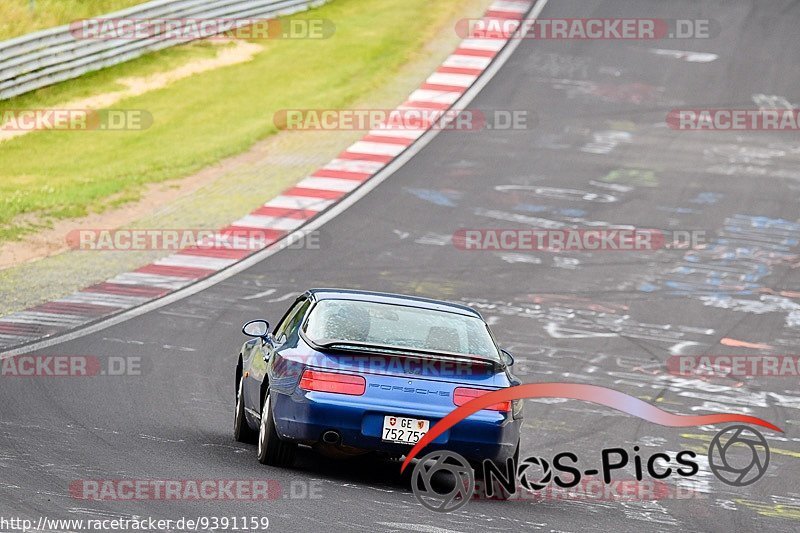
283 377
265 349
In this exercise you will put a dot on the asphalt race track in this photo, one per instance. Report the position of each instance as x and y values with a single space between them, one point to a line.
597 126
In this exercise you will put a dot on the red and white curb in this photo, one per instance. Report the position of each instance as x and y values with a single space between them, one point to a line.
276 218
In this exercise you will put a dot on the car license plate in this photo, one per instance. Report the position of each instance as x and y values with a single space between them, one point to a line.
404 430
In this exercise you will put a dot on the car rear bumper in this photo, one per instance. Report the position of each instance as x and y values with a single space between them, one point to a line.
304 416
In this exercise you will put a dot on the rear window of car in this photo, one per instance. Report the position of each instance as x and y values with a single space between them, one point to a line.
399 326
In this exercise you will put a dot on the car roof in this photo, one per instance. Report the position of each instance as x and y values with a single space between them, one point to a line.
395 299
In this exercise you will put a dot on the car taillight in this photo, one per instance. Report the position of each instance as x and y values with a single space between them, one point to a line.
314 380
462 395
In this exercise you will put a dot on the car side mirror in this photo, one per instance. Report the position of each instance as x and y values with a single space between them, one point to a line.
508 359
256 328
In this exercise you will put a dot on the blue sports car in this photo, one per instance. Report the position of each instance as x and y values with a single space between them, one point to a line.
351 372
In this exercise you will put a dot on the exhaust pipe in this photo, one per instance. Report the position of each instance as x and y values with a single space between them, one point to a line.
331 437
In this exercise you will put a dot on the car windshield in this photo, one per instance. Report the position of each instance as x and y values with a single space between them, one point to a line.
400 326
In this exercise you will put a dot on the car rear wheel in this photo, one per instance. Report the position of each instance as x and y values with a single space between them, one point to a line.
499 493
272 450
242 431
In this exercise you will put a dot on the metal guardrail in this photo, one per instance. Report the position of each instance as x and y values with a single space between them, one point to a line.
54 55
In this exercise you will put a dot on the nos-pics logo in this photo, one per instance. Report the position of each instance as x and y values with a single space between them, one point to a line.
444 481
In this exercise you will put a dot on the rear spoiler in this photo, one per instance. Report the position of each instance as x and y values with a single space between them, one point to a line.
368 347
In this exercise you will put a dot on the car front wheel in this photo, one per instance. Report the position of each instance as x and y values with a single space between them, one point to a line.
272 450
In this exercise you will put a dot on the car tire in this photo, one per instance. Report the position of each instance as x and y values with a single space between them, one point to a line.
272 450
503 495
242 432
499 492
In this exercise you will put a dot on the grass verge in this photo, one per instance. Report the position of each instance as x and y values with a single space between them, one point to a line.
227 190
210 116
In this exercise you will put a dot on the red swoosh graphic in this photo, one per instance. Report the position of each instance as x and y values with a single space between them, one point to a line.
575 391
